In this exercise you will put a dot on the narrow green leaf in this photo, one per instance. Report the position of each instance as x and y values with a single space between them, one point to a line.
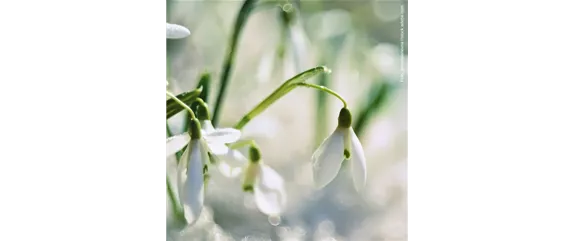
240 21
175 205
173 107
372 104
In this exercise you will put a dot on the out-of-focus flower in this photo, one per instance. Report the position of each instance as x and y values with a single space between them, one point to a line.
174 31
267 185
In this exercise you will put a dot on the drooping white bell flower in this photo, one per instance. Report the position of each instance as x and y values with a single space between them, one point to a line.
191 174
215 140
174 31
229 162
342 144
267 185
232 164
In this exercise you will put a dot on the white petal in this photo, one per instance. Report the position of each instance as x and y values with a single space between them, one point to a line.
182 169
217 148
191 181
206 127
174 31
269 191
227 170
230 164
222 135
234 158
176 143
327 158
358 162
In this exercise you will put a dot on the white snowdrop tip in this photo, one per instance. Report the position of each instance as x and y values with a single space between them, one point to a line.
174 31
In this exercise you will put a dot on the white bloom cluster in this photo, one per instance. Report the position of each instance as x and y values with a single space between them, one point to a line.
206 146
266 184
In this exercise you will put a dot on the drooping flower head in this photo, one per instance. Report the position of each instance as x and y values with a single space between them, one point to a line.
191 174
215 138
342 144
199 143
228 161
267 185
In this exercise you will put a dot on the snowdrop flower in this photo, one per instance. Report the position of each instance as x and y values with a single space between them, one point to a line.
228 161
230 164
342 144
191 170
215 139
174 31
266 184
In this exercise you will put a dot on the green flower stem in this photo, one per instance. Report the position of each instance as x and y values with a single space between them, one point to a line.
181 103
172 107
374 102
240 22
177 211
321 111
285 88
265 5
326 90
241 143
205 85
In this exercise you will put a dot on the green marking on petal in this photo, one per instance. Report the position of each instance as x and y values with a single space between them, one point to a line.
347 154
248 188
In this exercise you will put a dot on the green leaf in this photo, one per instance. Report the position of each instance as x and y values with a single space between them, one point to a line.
173 107
240 21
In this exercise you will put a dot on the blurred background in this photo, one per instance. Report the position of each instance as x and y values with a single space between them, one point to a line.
365 45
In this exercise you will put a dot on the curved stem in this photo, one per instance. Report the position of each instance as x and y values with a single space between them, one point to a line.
240 22
180 103
281 91
241 143
326 90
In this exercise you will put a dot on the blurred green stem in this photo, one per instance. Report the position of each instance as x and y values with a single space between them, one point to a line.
373 103
321 112
177 210
241 143
180 103
282 90
240 22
